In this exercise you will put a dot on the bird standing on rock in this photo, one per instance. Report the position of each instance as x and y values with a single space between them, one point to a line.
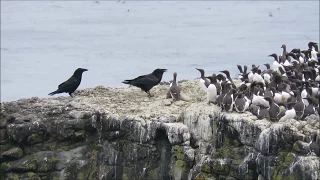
212 90
309 109
204 83
241 104
227 73
263 112
290 113
147 82
228 99
276 65
174 90
274 109
70 85
293 84
314 146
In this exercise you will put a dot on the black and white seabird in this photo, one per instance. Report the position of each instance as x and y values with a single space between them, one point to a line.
263 112
204 83
294 97
276 80
276 65
224 90
221 78
274 109
290 113
306 54
228 99
212 90
314 146
304 93
227 73
313 47
310 108
241 104
285 93
277 97
257 96
266 74
299 105
256 77
216 83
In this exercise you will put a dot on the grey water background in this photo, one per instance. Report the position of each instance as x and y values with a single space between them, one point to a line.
43 42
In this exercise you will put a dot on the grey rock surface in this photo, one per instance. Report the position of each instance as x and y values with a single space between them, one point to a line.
120 133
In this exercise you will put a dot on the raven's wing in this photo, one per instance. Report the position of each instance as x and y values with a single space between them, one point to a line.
144 79
68 83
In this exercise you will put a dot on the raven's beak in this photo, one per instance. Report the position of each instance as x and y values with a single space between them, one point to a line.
85 69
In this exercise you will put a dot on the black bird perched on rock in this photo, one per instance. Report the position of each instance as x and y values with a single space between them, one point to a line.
147 82
70 85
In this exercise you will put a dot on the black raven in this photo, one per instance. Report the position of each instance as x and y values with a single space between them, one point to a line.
147 82
70 85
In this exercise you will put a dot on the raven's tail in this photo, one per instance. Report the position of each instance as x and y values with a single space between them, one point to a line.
53 93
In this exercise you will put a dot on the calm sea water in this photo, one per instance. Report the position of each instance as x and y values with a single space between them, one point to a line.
42 43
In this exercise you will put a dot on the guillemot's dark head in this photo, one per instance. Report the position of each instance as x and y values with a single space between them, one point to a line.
290 105
295 50
226 72
221 77
293 86
269 99
310 44
210 78
200 70
275 56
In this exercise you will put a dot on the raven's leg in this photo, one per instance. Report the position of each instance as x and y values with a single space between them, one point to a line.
70 95
149 95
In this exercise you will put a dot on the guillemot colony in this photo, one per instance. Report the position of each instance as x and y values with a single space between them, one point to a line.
291 83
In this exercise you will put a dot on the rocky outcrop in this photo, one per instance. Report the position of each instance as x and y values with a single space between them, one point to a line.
120 133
